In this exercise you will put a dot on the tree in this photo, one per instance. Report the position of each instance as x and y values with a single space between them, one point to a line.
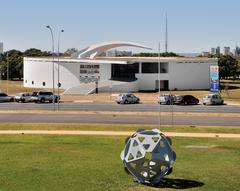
13 60
229 67
32 52
148 54
70 51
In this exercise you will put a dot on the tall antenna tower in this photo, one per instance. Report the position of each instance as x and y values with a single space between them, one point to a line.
166 35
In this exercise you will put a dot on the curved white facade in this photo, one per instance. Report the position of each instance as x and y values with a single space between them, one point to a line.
38 72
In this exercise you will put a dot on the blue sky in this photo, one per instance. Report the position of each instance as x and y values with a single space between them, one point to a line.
194 25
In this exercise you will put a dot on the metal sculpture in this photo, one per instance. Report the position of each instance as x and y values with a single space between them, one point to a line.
148 156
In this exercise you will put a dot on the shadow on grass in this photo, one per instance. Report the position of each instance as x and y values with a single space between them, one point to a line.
178 183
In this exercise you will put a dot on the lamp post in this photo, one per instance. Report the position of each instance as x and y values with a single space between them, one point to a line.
59 35
53 86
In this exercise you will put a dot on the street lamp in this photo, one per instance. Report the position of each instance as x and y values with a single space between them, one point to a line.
53 87
59 35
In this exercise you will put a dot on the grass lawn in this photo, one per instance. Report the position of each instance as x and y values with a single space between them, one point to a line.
117 127
72 163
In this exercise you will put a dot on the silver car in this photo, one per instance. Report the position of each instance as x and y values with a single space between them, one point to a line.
23 97
167 99
213 99
5 98
44 96
127 98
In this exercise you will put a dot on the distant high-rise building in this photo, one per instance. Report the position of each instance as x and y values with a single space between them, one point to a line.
237 51
205 54
218 50
213 51
1 47
226 51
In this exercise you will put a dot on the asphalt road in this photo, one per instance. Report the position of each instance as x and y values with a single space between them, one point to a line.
118 119
144 107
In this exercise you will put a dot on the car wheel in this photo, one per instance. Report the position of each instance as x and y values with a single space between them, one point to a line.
185 103
168 102
11 100
204 103
42 100
23 100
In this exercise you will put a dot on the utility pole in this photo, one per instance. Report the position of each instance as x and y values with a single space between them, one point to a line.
7 72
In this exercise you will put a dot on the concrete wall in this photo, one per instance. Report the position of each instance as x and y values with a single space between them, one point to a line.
181 76
148 81
41 70
187 76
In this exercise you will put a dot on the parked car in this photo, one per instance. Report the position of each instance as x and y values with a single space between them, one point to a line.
213 99
44 96
23 97
127 98
186 100
167 99
5 98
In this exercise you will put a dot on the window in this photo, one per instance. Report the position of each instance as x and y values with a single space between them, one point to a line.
148 67
59 84
32 82
164 67
43 83
152 67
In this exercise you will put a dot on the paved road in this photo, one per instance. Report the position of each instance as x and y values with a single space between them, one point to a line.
68 106
118 119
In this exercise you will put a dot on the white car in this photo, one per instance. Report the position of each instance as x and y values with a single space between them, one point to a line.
23 97
127 98
213 99
167 99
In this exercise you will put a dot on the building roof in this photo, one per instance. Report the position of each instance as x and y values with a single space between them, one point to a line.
124 60
96 50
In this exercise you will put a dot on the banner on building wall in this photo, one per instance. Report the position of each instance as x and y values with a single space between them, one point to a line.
89 73
214 79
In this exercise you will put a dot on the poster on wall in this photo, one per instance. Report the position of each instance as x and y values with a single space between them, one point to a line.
89 73
214 79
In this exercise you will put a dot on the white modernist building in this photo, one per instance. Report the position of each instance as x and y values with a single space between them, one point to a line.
87 70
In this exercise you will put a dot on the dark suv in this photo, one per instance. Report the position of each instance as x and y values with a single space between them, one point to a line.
44 96
186 100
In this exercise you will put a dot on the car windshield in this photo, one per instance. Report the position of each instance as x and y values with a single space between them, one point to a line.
34 94
3 94
207 96
19 94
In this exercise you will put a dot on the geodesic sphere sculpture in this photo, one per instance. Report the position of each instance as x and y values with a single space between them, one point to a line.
148 156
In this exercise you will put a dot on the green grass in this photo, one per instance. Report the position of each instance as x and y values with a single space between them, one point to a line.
92 163
117 127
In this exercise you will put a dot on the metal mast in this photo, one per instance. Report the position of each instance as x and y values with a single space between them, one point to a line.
166 35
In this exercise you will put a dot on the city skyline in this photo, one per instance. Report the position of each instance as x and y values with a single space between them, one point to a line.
192 26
